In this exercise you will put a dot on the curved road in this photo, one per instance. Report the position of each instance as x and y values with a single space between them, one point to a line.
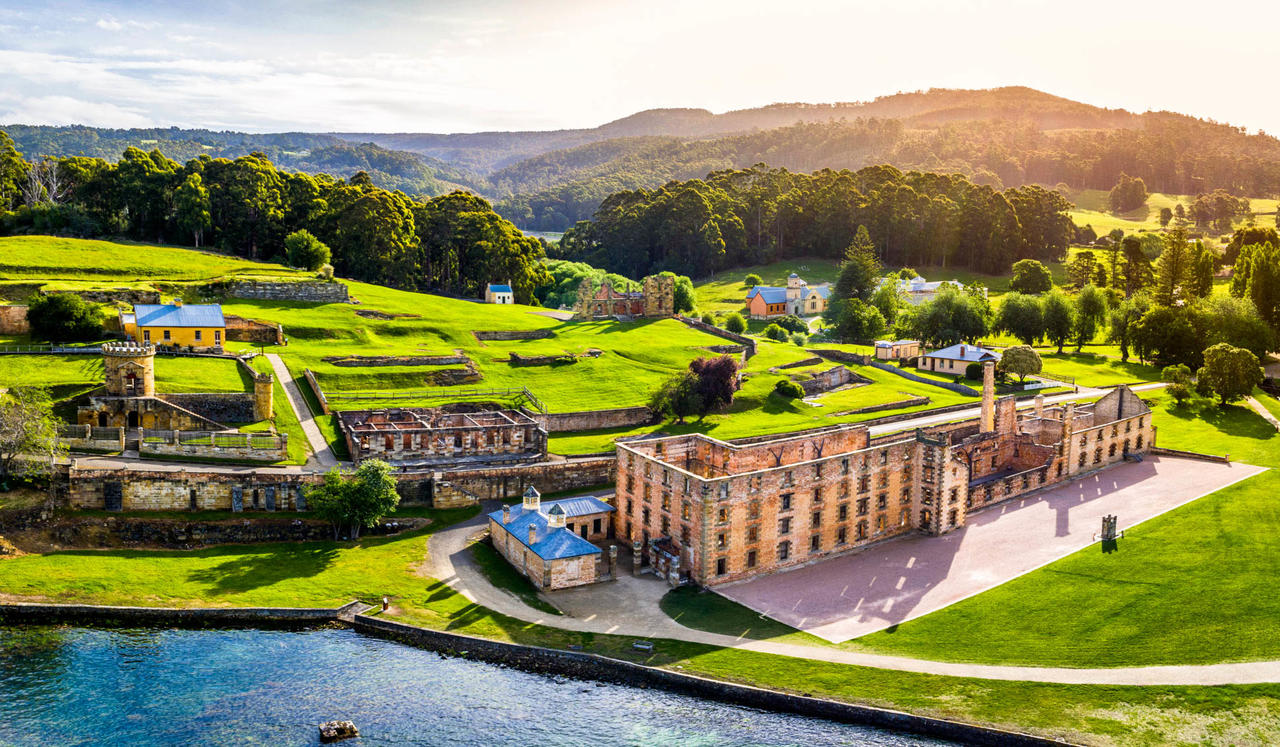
629 607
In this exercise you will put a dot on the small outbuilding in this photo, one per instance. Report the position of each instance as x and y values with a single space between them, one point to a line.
551 544
956 358
894 350
495 293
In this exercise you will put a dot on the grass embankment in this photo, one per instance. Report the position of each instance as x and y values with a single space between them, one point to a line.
60 259
503 576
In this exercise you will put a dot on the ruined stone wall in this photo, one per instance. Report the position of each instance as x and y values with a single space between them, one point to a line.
590 420
145 412
711 329
195 489
512 334
311 291
89 437
832 378
659 296
220 407
253 331
13 320
454 488
256 448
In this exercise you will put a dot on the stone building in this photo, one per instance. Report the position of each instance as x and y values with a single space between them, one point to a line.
426 436
187 489
654 300
499 293
711 512
552 544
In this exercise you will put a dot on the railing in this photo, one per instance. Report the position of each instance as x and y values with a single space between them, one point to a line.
50 349
215 439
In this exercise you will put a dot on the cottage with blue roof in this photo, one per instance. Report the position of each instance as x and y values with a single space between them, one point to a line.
496 293
199 327
551 543
955 359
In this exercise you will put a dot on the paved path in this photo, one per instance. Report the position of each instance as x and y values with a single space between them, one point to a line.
1264 412
322 454
629 607
857 594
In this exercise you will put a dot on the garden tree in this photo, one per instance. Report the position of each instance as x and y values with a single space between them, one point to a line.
1203 266
1030 276
1234 321
1058 314
1166 215
1173 269
1167 335
1083 268
305 250
677 397
192 205
792 323
888 299
717 382
775 333
753 279
1020 316
64 317
1085 234
799 339
1122 319
858 322
857 279
1128 194
1022 360
356 501
952 317
1138 273
1090 313
28 429
1257 277
1229 372
1180 383
1246 235
682 296
789 389
735 323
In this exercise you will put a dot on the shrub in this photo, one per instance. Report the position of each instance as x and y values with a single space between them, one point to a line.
753 279
799 339
775 333
305 250
1179 378
1030 276
708 319
64 317
792 323
789 389
735 323
973 371
325 272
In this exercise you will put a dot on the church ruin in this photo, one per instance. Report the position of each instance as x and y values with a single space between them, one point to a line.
654 300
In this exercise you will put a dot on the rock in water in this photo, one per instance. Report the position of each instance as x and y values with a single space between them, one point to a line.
333 731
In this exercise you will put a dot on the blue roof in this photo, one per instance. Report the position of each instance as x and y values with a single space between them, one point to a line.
548 543
499 288
770 294
170 315
819 290
965 352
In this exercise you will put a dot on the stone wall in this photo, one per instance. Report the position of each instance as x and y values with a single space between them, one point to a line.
257 447
454 488
825 381
904 373
13 320
112 295
129 531
316 390
90 437
512 334
312 291
240 329
840 356
711 329
220 407
186 489
362 361
215 617
591 420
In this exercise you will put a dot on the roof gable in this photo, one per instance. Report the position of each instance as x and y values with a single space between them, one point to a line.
172 315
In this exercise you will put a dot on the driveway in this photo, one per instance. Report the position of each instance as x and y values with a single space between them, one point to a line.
914 575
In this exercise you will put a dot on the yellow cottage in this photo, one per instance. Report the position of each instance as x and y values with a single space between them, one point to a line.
199 327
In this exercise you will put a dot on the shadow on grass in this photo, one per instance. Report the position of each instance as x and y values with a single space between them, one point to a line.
252 571
705 610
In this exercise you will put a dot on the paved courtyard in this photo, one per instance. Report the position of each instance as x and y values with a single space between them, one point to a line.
901 579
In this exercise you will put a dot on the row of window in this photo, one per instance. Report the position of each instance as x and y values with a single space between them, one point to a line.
784 548
199 337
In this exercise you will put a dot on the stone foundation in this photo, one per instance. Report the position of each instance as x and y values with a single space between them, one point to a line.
112 295
748 343
256 447
186 490
311 291
240 329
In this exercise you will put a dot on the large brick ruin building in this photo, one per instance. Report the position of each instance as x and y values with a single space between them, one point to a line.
654 300
712 512
427 436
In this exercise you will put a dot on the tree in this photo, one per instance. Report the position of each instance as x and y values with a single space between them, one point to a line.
192 206
775 333
1091 312
1173 269
1022 360
1137 268
358 501
1059 317
788 389
753 280
1203 266
1168 335
677 397
952 317
1030 276
305 250
1246 235
682 296
858 321
1258 273
735 323
717 381
792 323
1020 316
28 434
1128 194
1234 321
888 299
1229 372
64 317
1121 321
1166 215
857 279
1180 385
1083 268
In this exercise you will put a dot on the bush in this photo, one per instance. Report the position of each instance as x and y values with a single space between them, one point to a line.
799 339
306 251
735 323
753 279
1179 378
792 323
789 389
973 371
775 333
64 317
325 272
708 319
1030 276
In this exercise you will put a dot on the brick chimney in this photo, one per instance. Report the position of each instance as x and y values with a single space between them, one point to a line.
988 421
533 534
506 515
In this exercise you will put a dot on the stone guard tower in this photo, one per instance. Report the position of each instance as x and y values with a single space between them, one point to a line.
263 395
129 368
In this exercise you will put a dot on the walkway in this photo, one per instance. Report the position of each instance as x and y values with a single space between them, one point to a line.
322 454
629 607
1264 412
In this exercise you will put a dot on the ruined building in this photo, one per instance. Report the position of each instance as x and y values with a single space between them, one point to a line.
710 511
427 436
654 300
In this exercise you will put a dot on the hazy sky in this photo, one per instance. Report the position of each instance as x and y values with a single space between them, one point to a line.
443 66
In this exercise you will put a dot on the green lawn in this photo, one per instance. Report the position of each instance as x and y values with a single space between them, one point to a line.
201 375
284 418
1096 369
52 258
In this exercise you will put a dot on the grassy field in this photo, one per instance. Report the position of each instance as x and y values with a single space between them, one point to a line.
201 375
1092 209
1095 369
52 258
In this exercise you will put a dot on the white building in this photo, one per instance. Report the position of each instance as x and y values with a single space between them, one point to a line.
917 290
494 293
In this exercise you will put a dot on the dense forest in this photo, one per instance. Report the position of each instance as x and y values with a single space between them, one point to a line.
741 217
454 243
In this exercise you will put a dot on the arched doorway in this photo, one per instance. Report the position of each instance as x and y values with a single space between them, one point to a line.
133 419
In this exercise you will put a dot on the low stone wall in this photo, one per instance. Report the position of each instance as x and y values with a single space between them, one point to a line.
1161 451
129 531
220 407
253 331
13 320
112 295
563 359
218 617
91 437
832 378
257 447
800 363
188 488
840 356
361 361
912 402
512 334
592 420
311 291
316 390
711 329
456 488
904 373
595 667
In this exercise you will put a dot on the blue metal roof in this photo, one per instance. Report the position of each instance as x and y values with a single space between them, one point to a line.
499 288
770 294
822 291
965 352
548 543
170 315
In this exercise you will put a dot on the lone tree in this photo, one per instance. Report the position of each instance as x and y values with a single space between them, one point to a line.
1020 316
857 279
1229 372
1059 318
28 434
753 279
64 317
1030 276
858 321
1022 360
305 250
1180 385
717 381
360 500
678 397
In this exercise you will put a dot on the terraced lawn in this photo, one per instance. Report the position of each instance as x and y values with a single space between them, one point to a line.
54 258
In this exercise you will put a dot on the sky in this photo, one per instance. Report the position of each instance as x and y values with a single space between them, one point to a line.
477 65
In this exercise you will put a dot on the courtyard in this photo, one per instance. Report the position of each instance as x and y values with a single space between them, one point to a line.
905 578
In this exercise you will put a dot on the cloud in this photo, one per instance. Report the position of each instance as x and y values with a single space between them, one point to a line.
109 24
66 110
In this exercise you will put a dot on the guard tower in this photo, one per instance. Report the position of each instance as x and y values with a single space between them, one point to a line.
130 369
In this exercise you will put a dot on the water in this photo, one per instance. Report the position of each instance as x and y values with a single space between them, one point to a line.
160 687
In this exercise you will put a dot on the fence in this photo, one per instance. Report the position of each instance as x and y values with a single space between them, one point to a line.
268 447
406 395
50 349
91 437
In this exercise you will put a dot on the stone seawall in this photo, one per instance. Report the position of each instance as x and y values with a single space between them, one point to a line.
591 420
311 291
23 613
595 667
13 320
